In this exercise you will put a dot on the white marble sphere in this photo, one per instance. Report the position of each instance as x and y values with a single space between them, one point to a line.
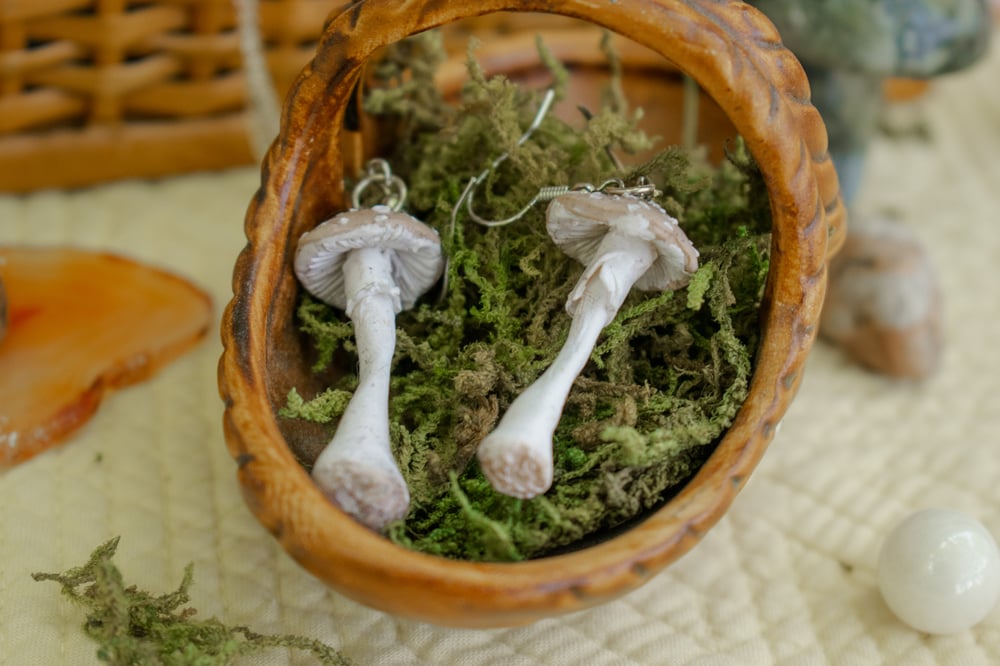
939 571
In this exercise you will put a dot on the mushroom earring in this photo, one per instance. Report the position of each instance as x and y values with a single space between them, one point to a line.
623 240
372 263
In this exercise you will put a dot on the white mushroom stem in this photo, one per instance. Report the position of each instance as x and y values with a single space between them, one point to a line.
356 469
517 456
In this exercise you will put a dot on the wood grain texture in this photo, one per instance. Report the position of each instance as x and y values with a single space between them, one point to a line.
735 55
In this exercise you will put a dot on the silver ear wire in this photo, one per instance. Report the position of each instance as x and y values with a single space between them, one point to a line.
543 195
642 187
468 193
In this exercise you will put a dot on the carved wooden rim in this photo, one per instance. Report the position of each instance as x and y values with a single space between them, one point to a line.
735 55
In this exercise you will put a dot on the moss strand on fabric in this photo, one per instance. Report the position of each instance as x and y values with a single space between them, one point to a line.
132 626
667 376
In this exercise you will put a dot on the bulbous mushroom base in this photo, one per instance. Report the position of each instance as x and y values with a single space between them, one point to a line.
516 468
374 495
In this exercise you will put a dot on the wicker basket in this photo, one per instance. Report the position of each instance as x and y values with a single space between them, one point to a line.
95 90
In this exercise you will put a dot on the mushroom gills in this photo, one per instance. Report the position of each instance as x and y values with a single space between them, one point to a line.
371 263
623 241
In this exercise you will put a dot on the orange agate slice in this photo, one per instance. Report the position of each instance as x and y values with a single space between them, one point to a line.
79 325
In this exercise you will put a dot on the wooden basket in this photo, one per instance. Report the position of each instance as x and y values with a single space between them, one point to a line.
734 53
95 90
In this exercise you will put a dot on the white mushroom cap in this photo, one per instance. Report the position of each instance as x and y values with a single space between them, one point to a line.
578 222
415 247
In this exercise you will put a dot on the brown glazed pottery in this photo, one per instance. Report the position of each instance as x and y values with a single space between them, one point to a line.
734 53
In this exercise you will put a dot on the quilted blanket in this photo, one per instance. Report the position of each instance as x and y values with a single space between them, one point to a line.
787 577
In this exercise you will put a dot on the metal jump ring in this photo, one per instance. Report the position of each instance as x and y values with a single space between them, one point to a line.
394 190
642 188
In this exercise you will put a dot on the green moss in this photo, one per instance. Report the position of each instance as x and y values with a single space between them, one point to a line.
664 382
132 626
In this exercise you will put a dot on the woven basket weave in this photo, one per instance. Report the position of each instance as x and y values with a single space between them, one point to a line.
94 90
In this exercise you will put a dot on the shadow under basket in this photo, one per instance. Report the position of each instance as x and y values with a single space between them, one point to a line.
735 55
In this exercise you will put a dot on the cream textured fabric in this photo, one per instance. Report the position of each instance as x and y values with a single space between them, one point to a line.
787 577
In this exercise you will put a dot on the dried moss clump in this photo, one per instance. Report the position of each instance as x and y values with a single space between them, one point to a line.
665 381
134 627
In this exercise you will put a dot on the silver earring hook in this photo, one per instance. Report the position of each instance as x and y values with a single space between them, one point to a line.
468 193
642 188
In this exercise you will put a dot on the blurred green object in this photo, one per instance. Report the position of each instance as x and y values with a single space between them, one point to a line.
849 47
